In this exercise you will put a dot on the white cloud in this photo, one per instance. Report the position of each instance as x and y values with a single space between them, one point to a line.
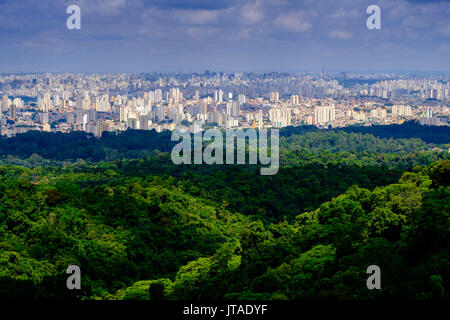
340 34
344 14
415 22
252 13
293 21
102 7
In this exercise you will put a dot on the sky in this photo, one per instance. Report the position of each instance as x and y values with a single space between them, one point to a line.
224 35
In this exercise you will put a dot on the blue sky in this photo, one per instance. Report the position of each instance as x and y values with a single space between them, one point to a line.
226 35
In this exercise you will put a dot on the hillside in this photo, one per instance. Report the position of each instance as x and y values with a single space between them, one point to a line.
404 228
123 230
131 219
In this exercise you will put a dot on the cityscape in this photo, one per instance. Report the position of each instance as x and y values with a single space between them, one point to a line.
96 103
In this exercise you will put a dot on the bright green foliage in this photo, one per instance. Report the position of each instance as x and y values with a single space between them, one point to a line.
404 228
147 229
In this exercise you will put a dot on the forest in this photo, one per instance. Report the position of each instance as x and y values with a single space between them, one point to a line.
142 228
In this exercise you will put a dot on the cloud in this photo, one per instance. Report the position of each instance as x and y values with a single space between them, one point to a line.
445 31
252 13
340 34
415 22
151 32
411 34
197 16
293 21
344 14
200 33
244 33
107 8
445 47
177 26
191 4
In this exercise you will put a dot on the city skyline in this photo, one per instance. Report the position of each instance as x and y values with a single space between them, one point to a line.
97 103
229 36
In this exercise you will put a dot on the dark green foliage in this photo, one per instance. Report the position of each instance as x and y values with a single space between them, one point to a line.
299 145
117 232
407 130
81 145
147 229
156 291
404 228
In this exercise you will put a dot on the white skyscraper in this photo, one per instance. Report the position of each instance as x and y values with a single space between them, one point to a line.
280 117
325 114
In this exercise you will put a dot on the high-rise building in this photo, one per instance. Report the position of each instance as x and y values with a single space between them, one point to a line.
159 113
70 119
259 119
85 121
123 114
13 112
18 103
5 103
158 95
143 122
274 96
235 109
324 114
92 115
401 110
132 123
295 100
378 113
204 107
280 117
